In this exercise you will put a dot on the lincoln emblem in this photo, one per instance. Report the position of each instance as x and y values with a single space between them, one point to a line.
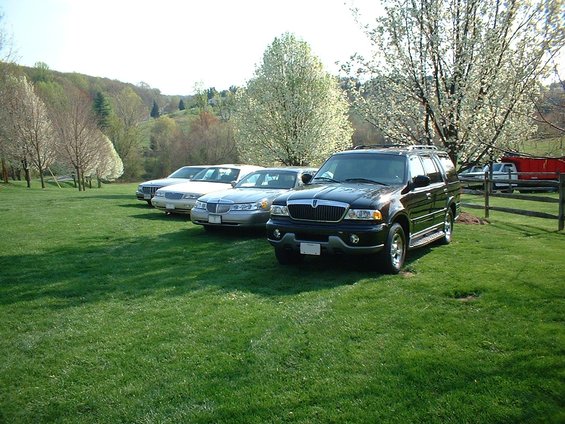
314 203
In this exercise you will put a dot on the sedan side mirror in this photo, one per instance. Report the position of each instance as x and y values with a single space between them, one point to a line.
306 178
421 181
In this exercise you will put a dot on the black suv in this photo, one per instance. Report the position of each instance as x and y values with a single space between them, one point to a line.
377 201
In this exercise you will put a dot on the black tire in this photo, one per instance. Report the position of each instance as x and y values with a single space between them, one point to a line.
288 257
394 253
448 227
149 203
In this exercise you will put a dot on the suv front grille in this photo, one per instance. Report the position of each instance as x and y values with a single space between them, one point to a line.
321 211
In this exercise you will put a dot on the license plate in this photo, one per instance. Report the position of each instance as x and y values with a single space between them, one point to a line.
310 249
147 196
214 219
169 206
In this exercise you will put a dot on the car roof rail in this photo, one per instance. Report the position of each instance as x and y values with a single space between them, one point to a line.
404 146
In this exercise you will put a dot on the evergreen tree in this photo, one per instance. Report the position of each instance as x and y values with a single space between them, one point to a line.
181 105
155 110
103 110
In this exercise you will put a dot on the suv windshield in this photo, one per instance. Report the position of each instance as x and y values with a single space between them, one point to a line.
370 168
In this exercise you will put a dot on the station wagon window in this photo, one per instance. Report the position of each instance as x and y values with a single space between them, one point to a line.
431 169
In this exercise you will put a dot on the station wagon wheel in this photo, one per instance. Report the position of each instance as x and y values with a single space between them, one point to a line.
288 257
395 250
448 227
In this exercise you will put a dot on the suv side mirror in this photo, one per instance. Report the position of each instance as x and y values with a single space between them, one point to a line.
306 178
421 181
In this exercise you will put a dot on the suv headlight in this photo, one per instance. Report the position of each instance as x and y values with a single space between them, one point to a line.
364 214
200 205
279 210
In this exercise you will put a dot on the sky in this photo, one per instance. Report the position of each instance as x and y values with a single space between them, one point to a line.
173 45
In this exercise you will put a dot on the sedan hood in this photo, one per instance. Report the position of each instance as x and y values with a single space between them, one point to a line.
164 182
357 195
197 187
242 195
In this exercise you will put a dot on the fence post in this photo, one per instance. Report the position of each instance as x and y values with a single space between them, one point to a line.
561 202
486 190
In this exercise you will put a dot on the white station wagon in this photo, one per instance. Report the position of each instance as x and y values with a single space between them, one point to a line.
180 198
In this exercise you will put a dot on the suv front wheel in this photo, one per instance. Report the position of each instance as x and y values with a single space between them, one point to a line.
395 250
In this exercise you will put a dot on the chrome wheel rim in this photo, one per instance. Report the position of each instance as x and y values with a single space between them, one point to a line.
448 226
397 250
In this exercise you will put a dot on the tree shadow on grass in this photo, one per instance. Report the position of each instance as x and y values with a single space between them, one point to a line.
173 264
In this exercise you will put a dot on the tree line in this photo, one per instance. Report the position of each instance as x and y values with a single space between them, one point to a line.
466 76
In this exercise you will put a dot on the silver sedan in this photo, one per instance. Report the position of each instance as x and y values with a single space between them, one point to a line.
247 204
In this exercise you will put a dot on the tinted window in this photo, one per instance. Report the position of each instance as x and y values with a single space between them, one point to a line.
416 167
431 169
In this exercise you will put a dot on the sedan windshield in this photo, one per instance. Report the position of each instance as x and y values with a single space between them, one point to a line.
186 172
217 175
268 179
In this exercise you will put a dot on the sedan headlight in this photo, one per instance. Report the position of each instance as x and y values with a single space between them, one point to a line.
200 205
279 210
159 193
364 214
191 196
261 205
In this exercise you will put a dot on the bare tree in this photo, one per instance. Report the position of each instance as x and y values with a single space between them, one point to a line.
458 73
124 129
79 139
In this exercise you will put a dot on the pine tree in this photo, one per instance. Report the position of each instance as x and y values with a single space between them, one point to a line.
181 105
155 110
103 110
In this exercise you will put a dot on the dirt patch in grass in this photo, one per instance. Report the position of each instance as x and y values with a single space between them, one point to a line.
468 218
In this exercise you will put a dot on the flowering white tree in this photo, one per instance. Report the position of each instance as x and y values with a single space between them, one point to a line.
457 73
291 111
28 133
107 166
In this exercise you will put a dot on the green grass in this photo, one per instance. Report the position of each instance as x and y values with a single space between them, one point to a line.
113 312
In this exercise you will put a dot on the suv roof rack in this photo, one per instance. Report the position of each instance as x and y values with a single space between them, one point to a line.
404 146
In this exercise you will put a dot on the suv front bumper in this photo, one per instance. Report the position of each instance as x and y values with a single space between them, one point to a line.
333 239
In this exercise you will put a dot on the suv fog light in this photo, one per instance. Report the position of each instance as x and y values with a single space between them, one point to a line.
354 238
277 234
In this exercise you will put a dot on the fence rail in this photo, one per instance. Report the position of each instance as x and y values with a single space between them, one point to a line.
506 187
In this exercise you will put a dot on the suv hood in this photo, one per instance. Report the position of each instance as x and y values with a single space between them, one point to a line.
357 195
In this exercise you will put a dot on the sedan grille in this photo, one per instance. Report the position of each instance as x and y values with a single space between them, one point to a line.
217 207
317 211
173 196
149 190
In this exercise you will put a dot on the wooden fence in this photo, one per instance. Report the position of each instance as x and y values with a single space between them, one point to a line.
507 188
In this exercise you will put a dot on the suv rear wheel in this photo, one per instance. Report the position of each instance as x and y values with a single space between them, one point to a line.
395 250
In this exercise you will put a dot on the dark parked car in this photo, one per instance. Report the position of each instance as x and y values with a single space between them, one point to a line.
377 201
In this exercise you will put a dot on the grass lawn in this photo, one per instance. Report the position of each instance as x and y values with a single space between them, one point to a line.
114 312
